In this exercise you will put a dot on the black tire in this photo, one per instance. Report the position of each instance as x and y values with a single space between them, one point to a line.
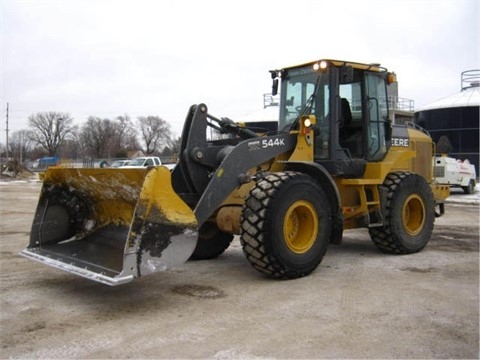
337 229
470 188
286 225
60 215
409 215
211 242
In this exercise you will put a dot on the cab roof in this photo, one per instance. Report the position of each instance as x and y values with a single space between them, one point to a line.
338 63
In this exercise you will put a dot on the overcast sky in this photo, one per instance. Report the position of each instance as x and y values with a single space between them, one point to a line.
108 58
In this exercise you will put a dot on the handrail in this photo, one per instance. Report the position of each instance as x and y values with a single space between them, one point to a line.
470 79
417 127
399 103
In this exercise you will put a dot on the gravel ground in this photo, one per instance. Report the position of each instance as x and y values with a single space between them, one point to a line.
359 303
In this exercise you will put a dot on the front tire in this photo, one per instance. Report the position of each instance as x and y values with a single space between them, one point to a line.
409 215
286 225
211 242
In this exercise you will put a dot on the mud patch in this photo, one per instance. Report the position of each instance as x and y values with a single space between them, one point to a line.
208 292
419 270
35 326
455 241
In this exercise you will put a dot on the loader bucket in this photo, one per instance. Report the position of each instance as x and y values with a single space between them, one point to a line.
111 225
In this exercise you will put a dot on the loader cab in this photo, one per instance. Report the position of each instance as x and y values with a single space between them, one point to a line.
350 104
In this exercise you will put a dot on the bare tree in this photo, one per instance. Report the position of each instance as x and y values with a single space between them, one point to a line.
50 130
20 144
3 151
127 134
154 133
98 136
105 138
172 146
72 149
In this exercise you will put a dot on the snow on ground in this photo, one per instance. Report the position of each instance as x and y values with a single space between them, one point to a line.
456 195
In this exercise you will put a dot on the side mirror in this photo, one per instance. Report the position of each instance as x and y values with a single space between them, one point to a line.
275 87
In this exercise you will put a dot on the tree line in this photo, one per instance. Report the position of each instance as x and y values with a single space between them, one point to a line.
56 134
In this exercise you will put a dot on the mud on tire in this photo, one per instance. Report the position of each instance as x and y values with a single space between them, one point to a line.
409 215
286 225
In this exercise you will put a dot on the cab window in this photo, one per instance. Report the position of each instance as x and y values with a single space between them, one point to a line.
377 103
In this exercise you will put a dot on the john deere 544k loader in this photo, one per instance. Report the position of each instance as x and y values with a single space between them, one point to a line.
332 162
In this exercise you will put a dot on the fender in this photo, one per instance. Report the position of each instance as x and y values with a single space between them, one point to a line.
319 173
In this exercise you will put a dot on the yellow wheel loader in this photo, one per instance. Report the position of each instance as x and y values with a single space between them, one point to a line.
332 162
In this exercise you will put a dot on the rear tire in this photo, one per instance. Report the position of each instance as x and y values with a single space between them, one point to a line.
286 225
409 215
211 242
470 188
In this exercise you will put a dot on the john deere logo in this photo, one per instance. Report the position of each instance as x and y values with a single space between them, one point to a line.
401 142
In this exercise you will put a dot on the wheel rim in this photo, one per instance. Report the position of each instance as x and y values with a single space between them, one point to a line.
300 227
413 214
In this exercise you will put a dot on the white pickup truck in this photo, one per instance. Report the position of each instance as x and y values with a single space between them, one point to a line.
143 161
455 173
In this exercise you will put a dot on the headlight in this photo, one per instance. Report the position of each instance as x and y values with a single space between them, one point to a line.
321 65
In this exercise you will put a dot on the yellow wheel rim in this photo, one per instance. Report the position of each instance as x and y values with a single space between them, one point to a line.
413 215
300 227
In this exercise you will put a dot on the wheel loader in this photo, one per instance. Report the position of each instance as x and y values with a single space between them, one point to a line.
332 162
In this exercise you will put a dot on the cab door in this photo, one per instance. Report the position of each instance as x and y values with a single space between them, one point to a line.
377 122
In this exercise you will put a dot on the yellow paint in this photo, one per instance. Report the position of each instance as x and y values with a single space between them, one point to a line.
413 215
300 226
157 193
440 192
111 193
116 194
304 149
230 211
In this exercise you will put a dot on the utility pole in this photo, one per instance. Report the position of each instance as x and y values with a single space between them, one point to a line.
21 147
6 130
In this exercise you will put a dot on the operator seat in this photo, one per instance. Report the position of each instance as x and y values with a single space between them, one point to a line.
345 113
349 138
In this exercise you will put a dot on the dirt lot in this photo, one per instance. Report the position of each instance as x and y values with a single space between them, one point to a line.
359 303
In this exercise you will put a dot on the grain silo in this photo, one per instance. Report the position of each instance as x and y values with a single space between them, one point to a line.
453 121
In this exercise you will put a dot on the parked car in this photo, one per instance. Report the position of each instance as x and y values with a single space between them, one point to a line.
120 163
144 161
170 166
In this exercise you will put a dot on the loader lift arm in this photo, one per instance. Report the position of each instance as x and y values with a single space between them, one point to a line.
210 170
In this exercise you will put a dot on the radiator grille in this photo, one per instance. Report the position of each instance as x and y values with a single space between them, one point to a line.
422 164
439 171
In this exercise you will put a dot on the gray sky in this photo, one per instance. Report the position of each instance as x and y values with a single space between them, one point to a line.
108 58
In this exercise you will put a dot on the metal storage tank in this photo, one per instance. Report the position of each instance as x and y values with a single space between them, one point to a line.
453 121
